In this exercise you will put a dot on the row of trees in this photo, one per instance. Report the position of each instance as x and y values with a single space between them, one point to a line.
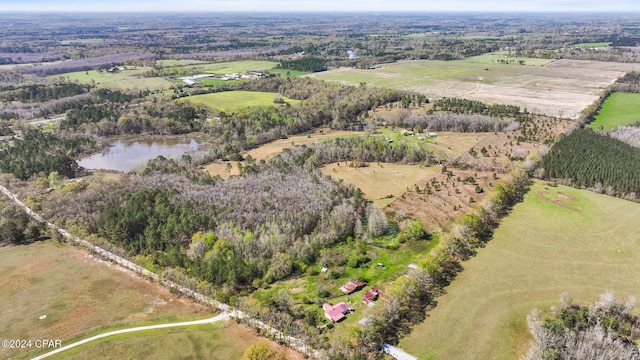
459 123
588 159
464 106
38 93
308 64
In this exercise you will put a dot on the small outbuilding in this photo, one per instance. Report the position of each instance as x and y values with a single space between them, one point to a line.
352 286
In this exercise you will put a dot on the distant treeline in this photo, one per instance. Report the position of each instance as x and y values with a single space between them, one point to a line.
101 62
310 64
41 93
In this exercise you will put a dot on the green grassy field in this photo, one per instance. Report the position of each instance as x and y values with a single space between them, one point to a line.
218 341
230 101
126 79
79 296
83 41
495 57
284 72
591 45
619 109
169 63
233 67
559 239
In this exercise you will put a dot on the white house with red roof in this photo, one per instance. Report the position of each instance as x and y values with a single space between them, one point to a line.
336 312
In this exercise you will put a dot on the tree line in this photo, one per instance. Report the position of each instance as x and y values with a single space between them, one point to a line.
38 93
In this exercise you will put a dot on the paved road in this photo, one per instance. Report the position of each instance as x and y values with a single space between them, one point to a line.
222 316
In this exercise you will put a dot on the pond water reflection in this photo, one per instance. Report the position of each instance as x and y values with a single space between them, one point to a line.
124 157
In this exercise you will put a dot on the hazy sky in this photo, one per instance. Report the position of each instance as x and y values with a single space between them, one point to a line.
320 5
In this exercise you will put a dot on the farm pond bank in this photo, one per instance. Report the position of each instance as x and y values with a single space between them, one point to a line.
122 156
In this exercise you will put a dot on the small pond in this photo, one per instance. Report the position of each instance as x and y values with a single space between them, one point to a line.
125 157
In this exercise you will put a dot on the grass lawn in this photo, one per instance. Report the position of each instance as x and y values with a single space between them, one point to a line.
591 45
285 72
559 239
78 294
231 101
126 79
218 341
619 109
381 183
494 57
233 67
169 63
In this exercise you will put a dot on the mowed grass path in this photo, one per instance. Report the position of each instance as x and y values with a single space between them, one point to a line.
566 240
379 180
619 109
231 101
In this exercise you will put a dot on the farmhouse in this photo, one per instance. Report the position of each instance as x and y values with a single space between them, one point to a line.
352 286
336 312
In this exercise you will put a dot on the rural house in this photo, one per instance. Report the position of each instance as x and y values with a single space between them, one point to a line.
336 312
352 286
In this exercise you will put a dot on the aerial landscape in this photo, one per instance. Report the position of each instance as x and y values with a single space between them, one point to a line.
319 180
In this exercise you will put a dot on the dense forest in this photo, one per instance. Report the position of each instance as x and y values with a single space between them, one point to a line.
587 159
16 227
37 152
310 64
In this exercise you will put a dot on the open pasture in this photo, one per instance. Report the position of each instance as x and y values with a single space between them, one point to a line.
619 109
78 294
381 183
130 78
498 56
218 341
232 101
562 88
233 67
559 239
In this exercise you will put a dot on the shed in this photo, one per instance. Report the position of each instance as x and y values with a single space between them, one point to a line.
397 353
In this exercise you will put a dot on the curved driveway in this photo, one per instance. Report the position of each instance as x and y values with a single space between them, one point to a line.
222 316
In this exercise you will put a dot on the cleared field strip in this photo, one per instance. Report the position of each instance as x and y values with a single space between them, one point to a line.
381 183
619 109
558 240
230 101
129 79
562 88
